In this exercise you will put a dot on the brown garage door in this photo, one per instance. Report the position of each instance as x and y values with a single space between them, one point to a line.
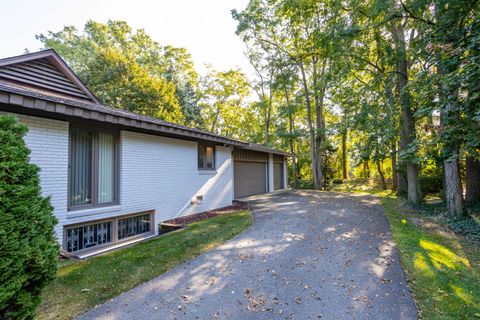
249 178
277 176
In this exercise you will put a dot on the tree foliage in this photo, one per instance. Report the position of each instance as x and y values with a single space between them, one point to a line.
28 246
393 83
125 69
387 89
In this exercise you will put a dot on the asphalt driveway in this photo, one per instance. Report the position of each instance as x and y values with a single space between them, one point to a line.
308 255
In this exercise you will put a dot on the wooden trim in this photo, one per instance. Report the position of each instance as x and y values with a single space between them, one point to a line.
278 158
53 57
249 155
94 179
114 237
24 102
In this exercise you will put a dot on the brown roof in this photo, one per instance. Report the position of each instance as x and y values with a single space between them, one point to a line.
23 89
45 69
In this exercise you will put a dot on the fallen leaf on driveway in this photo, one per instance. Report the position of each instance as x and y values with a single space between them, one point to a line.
211 281
244 256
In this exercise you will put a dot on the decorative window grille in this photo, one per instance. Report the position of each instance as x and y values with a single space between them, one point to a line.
132 226
87 236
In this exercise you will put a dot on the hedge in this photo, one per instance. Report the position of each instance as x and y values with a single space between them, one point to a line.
28 247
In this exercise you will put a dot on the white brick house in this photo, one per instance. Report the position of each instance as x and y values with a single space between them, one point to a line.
113 175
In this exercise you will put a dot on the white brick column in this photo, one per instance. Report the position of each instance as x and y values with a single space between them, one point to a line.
271 186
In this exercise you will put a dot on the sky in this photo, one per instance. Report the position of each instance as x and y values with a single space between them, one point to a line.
205 27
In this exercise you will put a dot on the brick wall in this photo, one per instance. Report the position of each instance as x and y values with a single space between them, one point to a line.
48 142
156 173
161 173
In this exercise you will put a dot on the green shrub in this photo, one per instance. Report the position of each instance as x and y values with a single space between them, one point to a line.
431 184
28 248
305 184
468 225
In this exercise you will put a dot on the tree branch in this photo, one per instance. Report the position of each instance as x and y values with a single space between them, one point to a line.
411 15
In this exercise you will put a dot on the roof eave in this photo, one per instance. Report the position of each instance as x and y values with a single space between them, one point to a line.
56 60
33 101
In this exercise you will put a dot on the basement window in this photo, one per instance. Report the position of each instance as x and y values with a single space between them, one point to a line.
88 236
133 226
92 235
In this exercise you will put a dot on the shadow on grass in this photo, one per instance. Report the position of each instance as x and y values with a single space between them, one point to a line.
445 284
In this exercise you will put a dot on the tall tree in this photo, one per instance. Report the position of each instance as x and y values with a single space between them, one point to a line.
223 102
177 67
304 31
408 130
125 69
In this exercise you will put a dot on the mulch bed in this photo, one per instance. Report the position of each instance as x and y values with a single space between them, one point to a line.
184 220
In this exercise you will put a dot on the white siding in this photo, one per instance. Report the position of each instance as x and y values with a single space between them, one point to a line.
48 141
156 173
270 171
161 173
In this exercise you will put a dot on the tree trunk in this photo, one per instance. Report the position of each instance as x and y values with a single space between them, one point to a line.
290 140
267 121
317 184
449 116
449 113
382 177
453 188
294 160
472 180
392 106
451 169
319 121
267 129
394 167
408 132
344 154
401 180
214 123
366 169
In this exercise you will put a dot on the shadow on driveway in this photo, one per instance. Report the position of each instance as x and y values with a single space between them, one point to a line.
308 255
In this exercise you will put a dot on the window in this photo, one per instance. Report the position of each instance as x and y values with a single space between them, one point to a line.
87 236
93 168
132 226
206 157
107 232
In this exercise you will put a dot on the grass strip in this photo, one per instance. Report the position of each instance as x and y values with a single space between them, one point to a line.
80 286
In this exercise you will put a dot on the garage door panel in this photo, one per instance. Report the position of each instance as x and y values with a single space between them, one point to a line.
249 178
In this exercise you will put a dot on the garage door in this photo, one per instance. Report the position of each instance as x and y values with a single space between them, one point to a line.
277 176
249 178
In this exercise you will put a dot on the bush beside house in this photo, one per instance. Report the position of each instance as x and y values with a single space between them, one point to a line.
28 248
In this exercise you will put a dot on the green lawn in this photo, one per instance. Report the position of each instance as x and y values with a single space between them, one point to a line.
443 270
82 285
